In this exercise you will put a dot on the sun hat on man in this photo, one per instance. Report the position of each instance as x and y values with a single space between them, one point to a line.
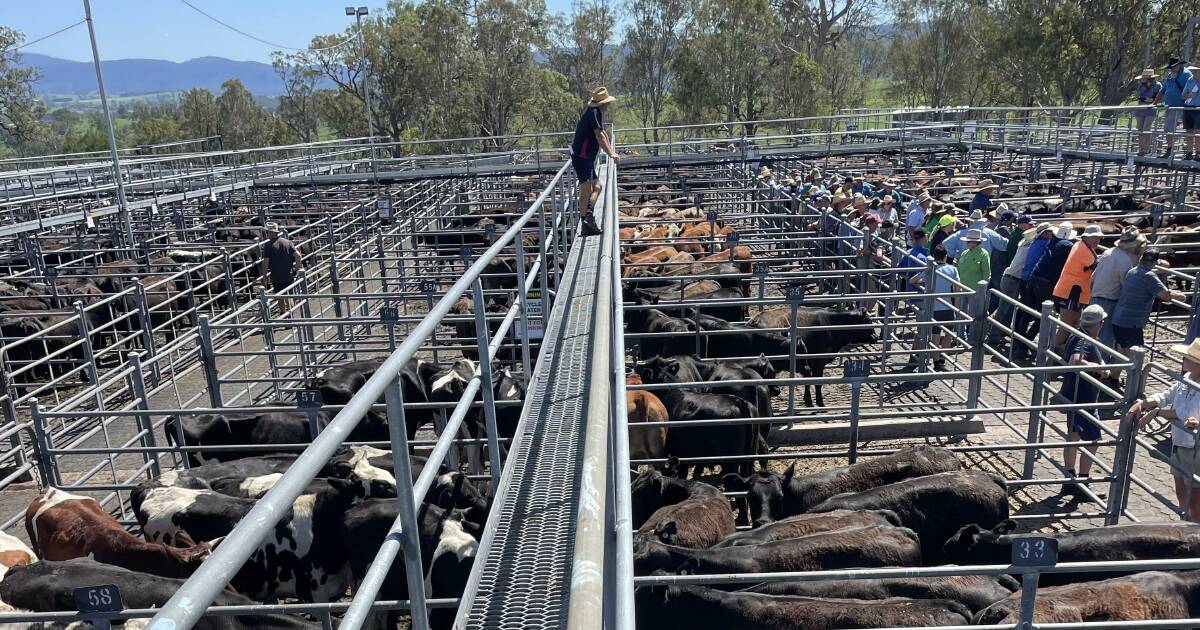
272 226
1092 315
1093 230
976 215
1131 238
1190 351
1148 73
986 185
1065 230
600 96
974 236
923 197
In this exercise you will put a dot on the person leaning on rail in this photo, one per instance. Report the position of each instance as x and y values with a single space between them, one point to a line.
589 139
1180 405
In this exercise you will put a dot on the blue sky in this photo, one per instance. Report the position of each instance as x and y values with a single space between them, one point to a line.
169 29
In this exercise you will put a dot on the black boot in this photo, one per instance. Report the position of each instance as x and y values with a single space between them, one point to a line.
588 227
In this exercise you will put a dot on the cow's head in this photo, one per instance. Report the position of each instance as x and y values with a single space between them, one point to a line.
455 490
657 370
667 532
449 384
646 492
764 494
649 554
973 543
854 336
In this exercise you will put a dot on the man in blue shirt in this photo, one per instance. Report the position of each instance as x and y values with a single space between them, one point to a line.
1176 80
983 196
1138 292
992 240
1044 232
589 140
859 186
1191 112
1149 93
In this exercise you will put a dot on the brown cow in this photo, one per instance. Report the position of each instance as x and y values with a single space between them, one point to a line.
651 442
63 526
1152 595
652 255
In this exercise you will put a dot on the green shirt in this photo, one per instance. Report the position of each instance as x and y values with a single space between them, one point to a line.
973 266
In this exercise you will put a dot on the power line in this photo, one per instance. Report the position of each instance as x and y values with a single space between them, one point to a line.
45 37
259 39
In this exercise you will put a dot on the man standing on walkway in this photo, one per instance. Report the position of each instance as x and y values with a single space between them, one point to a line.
1172 96
590 138
280 260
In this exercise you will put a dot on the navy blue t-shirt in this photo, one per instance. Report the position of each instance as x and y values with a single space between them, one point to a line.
1074 388
585 146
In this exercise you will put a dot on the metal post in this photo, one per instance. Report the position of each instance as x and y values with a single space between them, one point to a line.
1118 489
1045 334
402 467
979 329
1029 584
855 414
209 358
46 463
139 298
268 335
144 425
122 204
792 339
89 355
230 286
523 295
485 376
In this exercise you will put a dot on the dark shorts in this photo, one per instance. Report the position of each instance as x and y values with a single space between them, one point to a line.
1071 302
1128 337
944 315
585 170
1084 426
279 283
1191 118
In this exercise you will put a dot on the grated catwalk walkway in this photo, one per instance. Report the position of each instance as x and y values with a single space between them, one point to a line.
521 577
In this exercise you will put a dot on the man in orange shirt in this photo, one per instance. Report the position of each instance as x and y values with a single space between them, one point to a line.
1073 292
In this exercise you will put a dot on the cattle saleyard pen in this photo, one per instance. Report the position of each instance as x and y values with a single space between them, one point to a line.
284 447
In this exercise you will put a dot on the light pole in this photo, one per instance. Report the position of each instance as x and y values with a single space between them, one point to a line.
122 205
362 51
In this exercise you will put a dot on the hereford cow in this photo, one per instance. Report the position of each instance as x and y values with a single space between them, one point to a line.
642 406
772 496
935 506
14 553
873 546
698 608
1136 541
63 526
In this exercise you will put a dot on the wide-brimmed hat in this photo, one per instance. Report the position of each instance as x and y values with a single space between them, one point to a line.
271 226
985 185
1148 73
1174 61
977 215
923 197
859 199
889 182
1131 238
1041 227
600 96
840 198
1065 230
1093 230
1092 315
974 236
888 199
857 178
788 181
1191 351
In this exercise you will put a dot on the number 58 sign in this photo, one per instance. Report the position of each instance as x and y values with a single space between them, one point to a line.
96 599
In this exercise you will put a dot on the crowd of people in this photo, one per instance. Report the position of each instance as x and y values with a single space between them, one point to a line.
1179 94
1107 293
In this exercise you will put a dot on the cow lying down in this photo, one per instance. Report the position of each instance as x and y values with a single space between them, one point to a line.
696 607
1139 597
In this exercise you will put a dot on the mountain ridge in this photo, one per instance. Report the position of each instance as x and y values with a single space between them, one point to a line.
149 76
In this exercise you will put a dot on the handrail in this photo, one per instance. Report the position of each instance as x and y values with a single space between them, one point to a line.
186 607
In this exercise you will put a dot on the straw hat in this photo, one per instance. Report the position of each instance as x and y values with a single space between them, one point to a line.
1191 351
1148 73
1093 230
840 199
600 96
1037 231
1131 238
973 236
985 185
859 199
858 177
888 199
271 226
1092 315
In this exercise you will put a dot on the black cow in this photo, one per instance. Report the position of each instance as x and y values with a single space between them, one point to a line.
680 512
314 567
713 440
653 320
844 548
451 489
213 430
449 544
663 297
48 586
1136 541
698 608
772 497
806 524
935 506
1148 596
339 383
976 592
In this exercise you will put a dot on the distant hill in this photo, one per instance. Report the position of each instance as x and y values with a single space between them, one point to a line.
148 76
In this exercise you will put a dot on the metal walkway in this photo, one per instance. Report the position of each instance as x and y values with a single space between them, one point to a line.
522 575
